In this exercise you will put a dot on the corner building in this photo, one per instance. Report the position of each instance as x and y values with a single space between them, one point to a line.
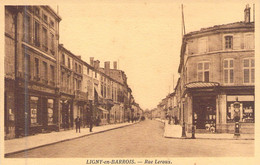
217 68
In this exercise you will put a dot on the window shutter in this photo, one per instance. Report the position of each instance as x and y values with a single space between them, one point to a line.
249 41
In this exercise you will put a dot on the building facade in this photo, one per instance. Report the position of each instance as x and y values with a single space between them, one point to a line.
35 32
217 68
47 86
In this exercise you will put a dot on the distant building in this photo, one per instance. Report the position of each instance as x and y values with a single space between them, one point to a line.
217 67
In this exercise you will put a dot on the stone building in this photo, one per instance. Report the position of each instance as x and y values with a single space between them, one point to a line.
31 51
217 67
47 86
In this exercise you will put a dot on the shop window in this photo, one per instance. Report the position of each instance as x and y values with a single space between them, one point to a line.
228 71
50 111
27 28
34 110
246 108
249 70
228 42
203 71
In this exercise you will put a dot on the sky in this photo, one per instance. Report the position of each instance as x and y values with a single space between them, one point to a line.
143 36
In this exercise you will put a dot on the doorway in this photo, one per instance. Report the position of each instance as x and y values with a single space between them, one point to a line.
204 108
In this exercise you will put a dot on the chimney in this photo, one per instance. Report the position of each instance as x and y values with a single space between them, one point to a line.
96 64
247 14
107 67
91 61
115 65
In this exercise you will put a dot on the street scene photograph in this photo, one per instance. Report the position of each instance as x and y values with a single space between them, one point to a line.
129 79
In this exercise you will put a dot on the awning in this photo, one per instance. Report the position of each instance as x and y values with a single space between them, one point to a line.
195 85
102 109
98 92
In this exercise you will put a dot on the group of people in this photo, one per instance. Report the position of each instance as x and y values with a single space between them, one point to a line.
78 123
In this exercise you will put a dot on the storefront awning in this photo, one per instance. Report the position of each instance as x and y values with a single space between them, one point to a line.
98 92
102 109
196 85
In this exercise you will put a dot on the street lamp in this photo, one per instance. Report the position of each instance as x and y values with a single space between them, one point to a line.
236 117
183 122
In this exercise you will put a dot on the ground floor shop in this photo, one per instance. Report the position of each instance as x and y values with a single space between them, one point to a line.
211 109
36 110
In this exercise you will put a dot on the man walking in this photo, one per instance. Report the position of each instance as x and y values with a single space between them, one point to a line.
78 122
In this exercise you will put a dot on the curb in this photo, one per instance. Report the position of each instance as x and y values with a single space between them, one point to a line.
44 145
210 138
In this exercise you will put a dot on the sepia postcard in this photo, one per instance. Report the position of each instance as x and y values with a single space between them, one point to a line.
129 82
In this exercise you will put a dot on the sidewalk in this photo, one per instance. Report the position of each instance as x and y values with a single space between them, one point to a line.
39 140
175 131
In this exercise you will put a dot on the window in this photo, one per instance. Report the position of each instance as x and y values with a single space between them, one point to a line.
249 70
34 110
63 59
45 39
36 68
45 18
202 45
246 111
27 28
27 66
76 67
52 73
50 111
228 71
228 42
62 79
88 71
68 62
44 72
36 34
37 11
249 41
52 23
95 74
52 44
79 68
203 71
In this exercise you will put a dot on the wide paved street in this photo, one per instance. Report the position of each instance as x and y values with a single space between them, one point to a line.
144 139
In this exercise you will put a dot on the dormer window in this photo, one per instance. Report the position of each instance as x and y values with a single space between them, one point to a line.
228 42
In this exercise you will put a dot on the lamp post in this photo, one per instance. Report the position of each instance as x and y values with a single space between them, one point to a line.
236 117
183 122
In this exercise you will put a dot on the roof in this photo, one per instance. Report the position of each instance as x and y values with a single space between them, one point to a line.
235 25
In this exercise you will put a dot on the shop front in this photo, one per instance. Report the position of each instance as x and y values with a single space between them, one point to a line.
36 112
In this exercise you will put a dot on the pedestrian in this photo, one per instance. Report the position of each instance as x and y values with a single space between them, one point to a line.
90 124
78 122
